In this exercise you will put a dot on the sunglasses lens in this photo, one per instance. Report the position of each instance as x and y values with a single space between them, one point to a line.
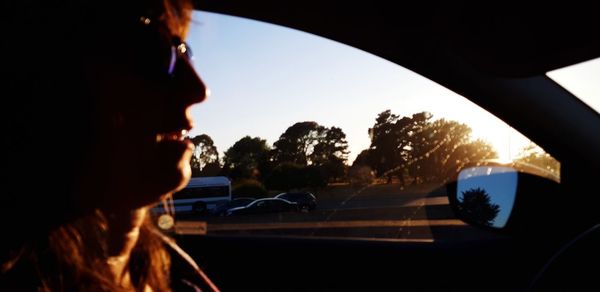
186 50
172 61
177 50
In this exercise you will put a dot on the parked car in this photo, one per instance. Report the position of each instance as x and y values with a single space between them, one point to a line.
306 201
222 209
264 206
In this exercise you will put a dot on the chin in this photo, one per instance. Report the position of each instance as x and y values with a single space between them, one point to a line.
185 174
162 181
179 178
173 171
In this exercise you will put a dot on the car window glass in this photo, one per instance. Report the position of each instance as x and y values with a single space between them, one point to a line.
374 142
582 80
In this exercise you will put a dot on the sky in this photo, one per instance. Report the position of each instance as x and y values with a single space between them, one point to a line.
582 80
500 183
264 78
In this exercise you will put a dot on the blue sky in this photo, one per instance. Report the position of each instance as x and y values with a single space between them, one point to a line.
264 78
500 183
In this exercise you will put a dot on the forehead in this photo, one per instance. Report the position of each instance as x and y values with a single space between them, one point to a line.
171 16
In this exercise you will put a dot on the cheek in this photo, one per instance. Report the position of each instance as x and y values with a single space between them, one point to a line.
123 92
152 172
132 168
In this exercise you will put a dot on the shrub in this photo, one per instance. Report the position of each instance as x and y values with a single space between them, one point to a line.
249 188
288 176
360 176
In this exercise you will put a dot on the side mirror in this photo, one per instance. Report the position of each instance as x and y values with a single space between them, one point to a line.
508 199
485 195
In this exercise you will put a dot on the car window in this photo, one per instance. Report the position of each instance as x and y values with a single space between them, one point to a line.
261 204
375 143
582 80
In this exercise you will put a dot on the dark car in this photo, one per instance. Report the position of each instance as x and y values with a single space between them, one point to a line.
264 206
305 200
222 209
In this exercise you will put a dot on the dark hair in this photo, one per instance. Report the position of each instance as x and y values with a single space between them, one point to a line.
55 241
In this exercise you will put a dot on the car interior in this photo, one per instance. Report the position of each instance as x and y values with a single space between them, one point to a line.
497 56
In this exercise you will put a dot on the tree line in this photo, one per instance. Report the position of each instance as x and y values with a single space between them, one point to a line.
419 149
305 155
409 149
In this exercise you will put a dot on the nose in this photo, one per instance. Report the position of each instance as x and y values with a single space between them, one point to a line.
188 84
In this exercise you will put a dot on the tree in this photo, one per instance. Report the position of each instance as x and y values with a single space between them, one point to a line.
331 153
475 206
204 154
331 146
467 154
534 156
332 170
383 156
360 175
247 158
362 159
423 149
442 148
297 143
392 139
287 176
211 169
249 188
310 144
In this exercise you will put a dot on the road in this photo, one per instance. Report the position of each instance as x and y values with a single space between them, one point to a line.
404 216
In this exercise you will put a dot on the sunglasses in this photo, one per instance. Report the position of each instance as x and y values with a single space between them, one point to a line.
179 49
170 50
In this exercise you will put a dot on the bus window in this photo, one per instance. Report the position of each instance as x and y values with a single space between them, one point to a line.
201 195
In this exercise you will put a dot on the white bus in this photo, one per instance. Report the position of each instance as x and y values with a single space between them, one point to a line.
202 194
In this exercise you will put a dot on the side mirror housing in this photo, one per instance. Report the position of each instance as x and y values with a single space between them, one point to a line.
504 198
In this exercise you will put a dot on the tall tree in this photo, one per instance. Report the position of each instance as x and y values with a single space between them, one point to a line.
424 149
441 147
204 154
330 154
306 144
247 158
287 176
392 140
331 146
383 156
466 154
362 159
297 143
476 206
360 173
